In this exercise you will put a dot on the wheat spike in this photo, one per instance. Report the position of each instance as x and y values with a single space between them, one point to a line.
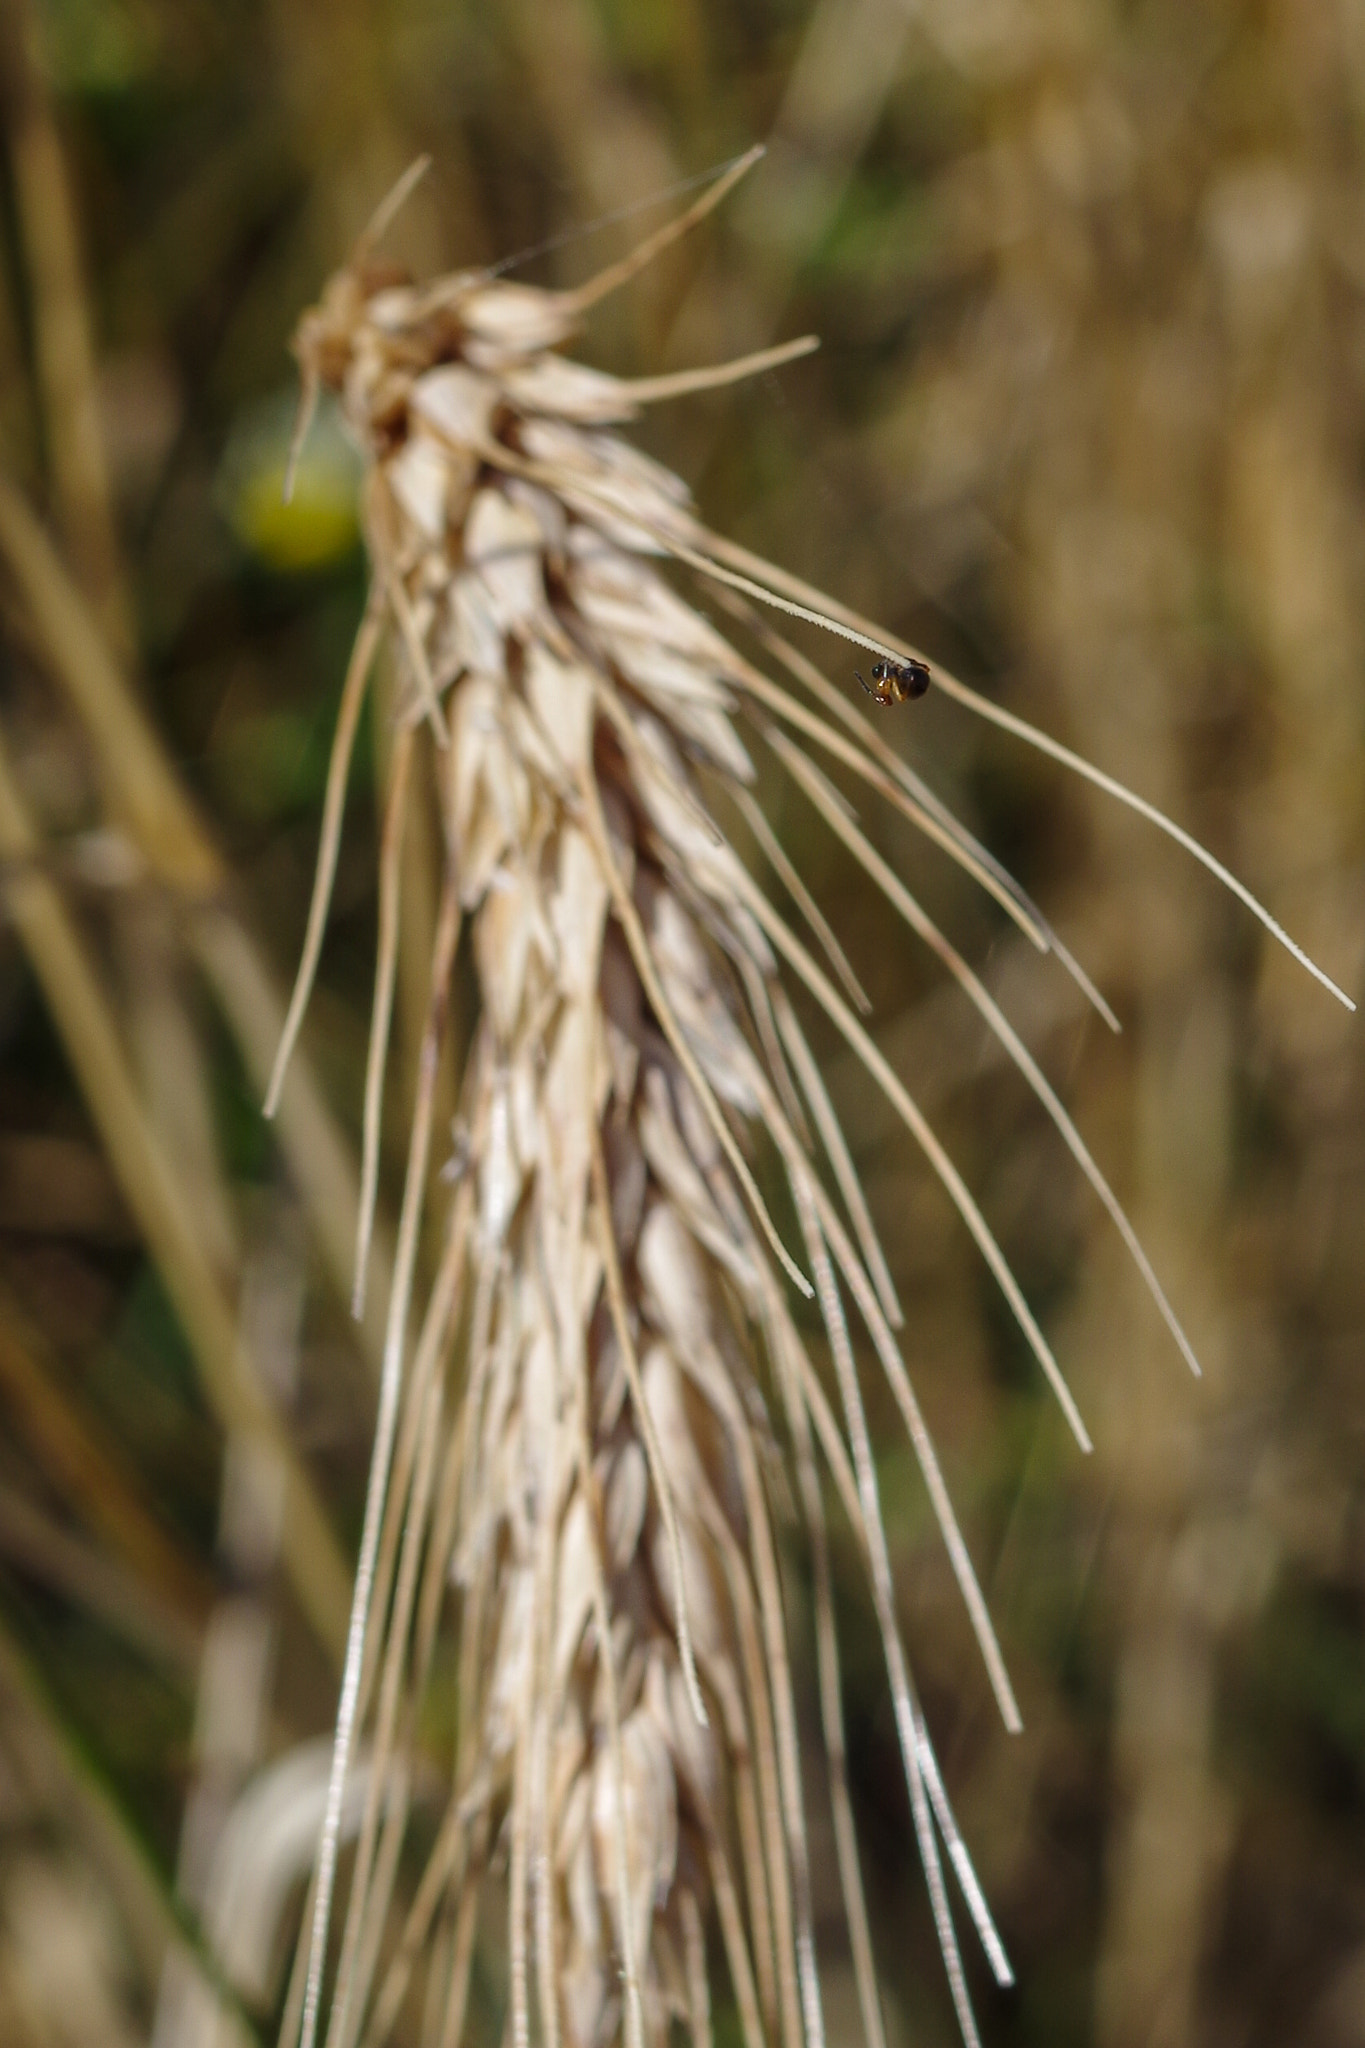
569 1474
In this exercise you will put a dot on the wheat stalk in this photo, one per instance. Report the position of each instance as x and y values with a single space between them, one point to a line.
592 1479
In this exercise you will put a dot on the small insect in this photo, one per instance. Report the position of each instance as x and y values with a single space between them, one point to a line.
894 681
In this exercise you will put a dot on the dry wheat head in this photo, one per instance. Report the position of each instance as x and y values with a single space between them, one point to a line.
579 1456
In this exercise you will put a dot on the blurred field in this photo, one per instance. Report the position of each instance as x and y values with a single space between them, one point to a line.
1088 424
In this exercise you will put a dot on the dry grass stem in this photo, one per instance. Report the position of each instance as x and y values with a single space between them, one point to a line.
147 799
91 1039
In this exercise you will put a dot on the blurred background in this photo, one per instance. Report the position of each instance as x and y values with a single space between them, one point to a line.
1087 424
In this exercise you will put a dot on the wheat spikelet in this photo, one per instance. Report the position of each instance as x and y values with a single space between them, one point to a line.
579 1441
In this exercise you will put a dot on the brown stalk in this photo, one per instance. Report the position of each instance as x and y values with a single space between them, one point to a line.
63 343
81 1016
103 1586
59 1773
87 1469
146 797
